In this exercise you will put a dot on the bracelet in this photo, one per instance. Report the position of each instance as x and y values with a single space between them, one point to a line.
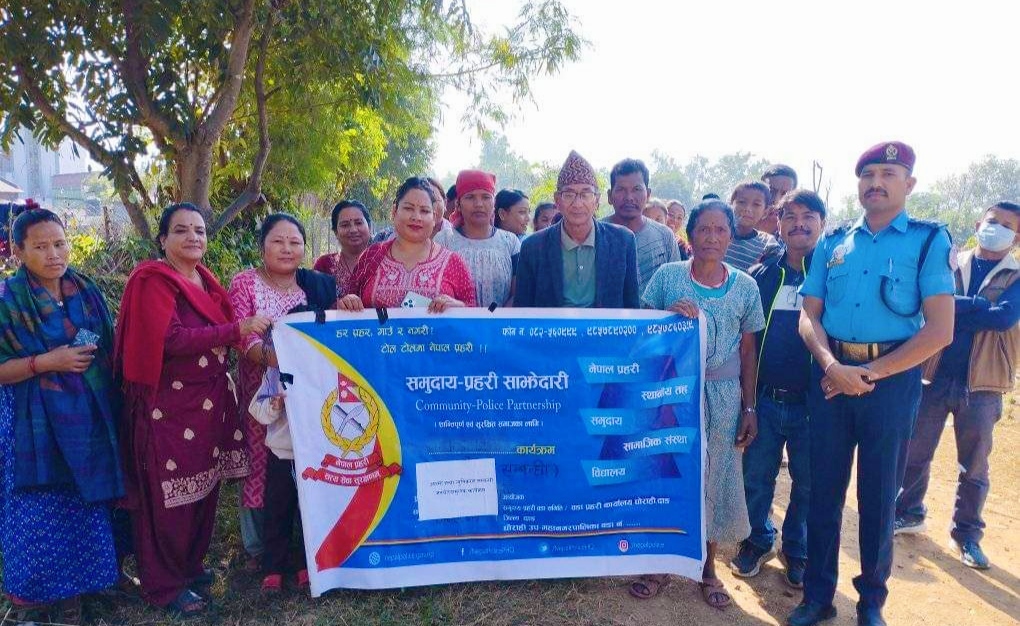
829 367
750 409
31 365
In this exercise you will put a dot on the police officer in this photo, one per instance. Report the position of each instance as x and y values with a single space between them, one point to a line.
869 288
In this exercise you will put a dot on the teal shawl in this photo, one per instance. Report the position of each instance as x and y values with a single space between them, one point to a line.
64 426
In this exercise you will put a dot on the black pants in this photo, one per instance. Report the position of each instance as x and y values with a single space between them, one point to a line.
280 510
877 426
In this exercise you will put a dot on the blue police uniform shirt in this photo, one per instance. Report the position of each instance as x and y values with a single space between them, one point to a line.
847 271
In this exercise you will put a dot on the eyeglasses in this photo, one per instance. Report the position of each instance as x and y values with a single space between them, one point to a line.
569 196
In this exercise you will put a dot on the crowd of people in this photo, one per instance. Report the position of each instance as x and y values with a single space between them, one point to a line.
116 437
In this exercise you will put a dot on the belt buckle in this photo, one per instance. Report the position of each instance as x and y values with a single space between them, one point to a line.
856 351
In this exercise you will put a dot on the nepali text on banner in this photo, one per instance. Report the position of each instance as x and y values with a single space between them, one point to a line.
516 444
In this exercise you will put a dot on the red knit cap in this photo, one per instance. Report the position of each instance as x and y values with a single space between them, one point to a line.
576 170
473 180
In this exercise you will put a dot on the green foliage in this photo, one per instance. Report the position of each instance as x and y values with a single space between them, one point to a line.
352 88
512 170
108 263
690 181
233 250
958 200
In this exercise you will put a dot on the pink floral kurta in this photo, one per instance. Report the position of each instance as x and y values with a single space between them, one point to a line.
251 295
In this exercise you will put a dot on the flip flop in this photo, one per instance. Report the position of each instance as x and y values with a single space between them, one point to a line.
272 584
302 579
647 587
714 593
187 604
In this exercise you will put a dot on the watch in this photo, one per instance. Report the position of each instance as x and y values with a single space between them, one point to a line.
750 409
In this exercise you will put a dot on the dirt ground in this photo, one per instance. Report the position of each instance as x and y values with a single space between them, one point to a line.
929 584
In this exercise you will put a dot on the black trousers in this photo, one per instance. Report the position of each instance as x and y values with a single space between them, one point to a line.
877 426
280 510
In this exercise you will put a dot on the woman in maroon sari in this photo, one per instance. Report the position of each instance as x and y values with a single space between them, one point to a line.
181 434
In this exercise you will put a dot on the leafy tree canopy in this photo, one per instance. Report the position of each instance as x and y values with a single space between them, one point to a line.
208 89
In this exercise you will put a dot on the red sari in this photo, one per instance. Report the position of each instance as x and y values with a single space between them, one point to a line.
180 428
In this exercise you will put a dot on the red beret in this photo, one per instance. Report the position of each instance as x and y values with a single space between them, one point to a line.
473 180
887 152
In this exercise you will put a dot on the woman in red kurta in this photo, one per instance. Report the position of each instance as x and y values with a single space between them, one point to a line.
352 226
180 428
411 263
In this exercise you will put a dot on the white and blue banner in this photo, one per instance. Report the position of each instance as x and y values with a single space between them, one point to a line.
477 445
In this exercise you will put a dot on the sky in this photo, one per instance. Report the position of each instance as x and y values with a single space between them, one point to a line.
791 81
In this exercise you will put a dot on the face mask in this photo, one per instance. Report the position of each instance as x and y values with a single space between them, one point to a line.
995 237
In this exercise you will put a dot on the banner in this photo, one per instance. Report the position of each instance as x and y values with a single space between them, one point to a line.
519 444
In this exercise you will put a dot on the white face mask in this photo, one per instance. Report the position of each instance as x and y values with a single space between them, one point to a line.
995 237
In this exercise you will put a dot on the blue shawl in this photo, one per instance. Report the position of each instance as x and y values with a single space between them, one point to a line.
64 427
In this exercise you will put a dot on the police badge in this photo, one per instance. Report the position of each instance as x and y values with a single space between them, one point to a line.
837 257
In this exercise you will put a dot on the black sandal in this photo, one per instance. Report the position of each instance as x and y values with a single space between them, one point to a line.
187 604
202 583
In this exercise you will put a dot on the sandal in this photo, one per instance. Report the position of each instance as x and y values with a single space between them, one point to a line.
272 584
714 593
187 604
648 587
202 583
302 579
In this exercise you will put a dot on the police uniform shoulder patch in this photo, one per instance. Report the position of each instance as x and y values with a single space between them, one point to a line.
839 230
913 221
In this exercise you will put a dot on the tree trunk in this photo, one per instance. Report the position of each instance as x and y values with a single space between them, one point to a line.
193 169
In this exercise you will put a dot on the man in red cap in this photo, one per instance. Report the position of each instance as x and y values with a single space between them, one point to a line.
578 262
878 301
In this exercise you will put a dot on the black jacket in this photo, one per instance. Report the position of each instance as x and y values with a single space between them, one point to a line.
769 276
320 291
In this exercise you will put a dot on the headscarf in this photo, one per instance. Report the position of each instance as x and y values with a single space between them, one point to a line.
149 301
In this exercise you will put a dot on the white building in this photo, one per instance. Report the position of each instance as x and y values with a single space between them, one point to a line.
32 166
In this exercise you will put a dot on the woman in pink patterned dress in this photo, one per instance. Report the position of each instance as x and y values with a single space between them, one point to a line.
270 290
352 227
411 263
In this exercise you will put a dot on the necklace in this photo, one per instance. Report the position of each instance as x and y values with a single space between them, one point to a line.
726 275
194 277
428 256
272 282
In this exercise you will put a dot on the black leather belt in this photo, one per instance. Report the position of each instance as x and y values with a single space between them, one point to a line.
784 396
861 352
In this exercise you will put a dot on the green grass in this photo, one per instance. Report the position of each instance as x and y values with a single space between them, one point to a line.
237 599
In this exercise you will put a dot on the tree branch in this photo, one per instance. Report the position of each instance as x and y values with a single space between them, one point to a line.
252 193
124 173
226 97
135 71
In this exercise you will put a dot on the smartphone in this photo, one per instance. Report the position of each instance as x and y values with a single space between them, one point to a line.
84 338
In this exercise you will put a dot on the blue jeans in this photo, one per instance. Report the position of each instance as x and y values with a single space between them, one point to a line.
974 417
778 424
877 425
